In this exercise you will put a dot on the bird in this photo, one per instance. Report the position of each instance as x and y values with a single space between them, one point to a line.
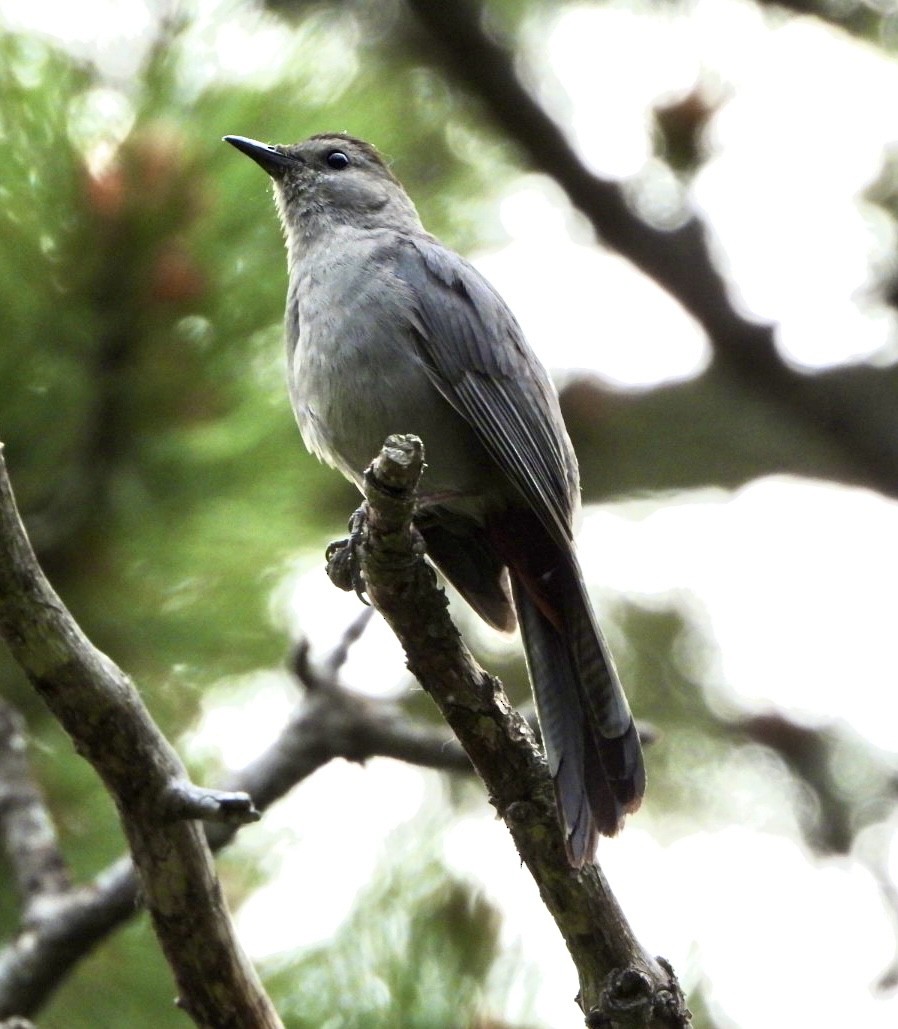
388 331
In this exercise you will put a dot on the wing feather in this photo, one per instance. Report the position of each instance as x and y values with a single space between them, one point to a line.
478 359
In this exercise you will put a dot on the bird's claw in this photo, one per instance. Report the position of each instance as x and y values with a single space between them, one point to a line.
343 565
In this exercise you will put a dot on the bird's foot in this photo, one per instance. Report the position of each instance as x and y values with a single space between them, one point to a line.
344 568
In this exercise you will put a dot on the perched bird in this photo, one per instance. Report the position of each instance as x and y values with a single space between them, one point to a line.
389 331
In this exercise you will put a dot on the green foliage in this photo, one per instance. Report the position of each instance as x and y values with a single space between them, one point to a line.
146 421
123 983
414 953
143 408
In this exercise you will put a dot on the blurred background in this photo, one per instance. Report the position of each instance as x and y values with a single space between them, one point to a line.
691 208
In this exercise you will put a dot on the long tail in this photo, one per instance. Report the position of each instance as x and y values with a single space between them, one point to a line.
591 742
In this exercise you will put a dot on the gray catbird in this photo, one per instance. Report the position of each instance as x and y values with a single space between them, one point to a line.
389 331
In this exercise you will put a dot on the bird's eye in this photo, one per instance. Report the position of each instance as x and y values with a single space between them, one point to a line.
337 160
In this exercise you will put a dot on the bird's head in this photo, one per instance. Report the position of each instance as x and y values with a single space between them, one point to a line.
331 179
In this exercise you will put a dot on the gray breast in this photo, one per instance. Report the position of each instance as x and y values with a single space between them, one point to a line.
355 376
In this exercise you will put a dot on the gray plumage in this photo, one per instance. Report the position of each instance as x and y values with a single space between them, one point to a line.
390 331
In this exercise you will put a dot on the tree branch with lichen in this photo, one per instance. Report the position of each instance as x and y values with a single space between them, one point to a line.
620 983
61 921
110 726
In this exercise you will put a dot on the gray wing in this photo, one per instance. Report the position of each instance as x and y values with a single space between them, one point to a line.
478 359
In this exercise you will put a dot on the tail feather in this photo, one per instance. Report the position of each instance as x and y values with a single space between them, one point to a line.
554 680
606 710
590 740
588 732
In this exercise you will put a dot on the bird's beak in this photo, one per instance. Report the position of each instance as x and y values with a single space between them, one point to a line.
268 157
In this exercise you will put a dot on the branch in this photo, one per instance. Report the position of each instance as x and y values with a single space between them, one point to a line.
28 833
679 260
36 962
110 726
715 432
332 722
336 722
620 984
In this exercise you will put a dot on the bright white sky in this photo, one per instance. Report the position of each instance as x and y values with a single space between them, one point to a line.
793 581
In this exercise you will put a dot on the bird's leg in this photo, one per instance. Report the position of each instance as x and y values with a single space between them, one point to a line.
343 566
